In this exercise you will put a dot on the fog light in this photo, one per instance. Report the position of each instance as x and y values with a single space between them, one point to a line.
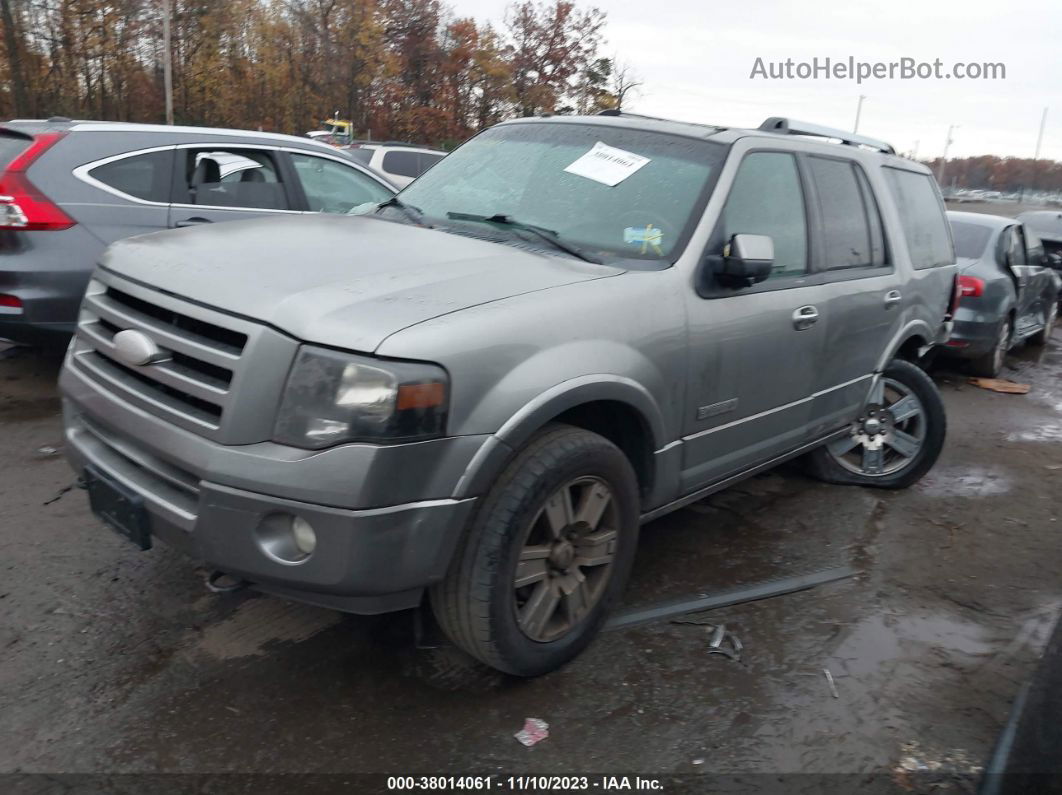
305 537
286 538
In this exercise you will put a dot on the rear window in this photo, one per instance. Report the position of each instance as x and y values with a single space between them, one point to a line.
970 239
145 176
922 213
11 146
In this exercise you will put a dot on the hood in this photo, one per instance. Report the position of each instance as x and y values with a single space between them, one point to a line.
345 281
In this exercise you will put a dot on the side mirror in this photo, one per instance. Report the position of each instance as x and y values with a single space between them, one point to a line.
747 259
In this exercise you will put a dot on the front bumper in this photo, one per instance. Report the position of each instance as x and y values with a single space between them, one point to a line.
376 549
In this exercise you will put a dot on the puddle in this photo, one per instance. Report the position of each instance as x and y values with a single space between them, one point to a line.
883 640
974 481
1045 433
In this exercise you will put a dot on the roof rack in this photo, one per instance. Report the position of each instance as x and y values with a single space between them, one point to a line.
783 126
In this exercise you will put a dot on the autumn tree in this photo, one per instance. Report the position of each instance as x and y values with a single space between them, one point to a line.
551 44
396 68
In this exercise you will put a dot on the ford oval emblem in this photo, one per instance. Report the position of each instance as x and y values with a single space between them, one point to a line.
136 348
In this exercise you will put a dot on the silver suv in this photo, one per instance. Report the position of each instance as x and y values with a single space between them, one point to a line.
470 399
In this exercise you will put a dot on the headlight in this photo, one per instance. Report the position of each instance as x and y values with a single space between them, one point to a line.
334 397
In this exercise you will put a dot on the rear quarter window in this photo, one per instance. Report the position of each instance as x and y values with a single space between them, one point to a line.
145 176
921 211
406 164
11 146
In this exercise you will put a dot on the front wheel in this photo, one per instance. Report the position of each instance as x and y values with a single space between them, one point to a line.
546 556
896 439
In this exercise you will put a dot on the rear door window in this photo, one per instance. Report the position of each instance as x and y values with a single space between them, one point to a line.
767 199
1016 251
237 178
852 236
921 212
145 176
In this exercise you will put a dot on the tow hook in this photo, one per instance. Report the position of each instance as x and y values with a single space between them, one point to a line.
223 582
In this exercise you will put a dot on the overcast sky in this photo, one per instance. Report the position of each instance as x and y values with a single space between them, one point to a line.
695 57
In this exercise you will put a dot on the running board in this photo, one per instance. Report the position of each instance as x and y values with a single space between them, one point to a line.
730 480
767 589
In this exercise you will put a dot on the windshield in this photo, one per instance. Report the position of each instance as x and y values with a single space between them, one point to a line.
970 239
611 192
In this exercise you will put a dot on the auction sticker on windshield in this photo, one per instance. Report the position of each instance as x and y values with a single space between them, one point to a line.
607 164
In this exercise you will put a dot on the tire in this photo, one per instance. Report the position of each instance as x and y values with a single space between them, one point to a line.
991 363
520 519
900 466
1043 336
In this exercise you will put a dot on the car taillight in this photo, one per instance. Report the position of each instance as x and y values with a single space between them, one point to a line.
22 206
971 286
10 301
956 294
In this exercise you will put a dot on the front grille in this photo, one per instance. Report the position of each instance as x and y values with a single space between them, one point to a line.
206 411
192 384
224 338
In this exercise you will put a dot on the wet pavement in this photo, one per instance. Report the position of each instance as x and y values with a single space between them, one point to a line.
116 661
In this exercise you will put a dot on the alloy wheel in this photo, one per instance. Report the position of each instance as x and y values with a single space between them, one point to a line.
566 559
888 435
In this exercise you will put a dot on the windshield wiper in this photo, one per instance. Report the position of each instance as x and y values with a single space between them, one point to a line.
414 214
548 235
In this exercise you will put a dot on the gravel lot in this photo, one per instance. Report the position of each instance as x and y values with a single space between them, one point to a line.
117 661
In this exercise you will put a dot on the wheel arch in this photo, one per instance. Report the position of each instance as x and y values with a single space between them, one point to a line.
617 408
909 343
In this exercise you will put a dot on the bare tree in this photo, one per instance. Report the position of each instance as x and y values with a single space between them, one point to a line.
624 81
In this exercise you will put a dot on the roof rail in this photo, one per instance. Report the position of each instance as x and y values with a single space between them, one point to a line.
778 124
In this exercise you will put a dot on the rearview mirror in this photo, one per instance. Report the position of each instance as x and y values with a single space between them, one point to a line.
747 259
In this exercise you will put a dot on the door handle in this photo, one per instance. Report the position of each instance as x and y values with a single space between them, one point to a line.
805 317
194 221
892 298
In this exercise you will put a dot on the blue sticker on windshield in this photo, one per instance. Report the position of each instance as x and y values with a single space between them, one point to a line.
644 236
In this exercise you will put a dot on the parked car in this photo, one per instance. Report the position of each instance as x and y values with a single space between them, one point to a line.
470 400
1046 225
1009 295
400 163
71 188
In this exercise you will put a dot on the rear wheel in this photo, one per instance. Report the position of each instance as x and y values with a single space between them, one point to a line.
991 364
1043 336
546 556
897 437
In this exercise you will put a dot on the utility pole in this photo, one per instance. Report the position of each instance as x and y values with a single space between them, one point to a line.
914 152
944 158
167 61
859 111
1040 137
1036 157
